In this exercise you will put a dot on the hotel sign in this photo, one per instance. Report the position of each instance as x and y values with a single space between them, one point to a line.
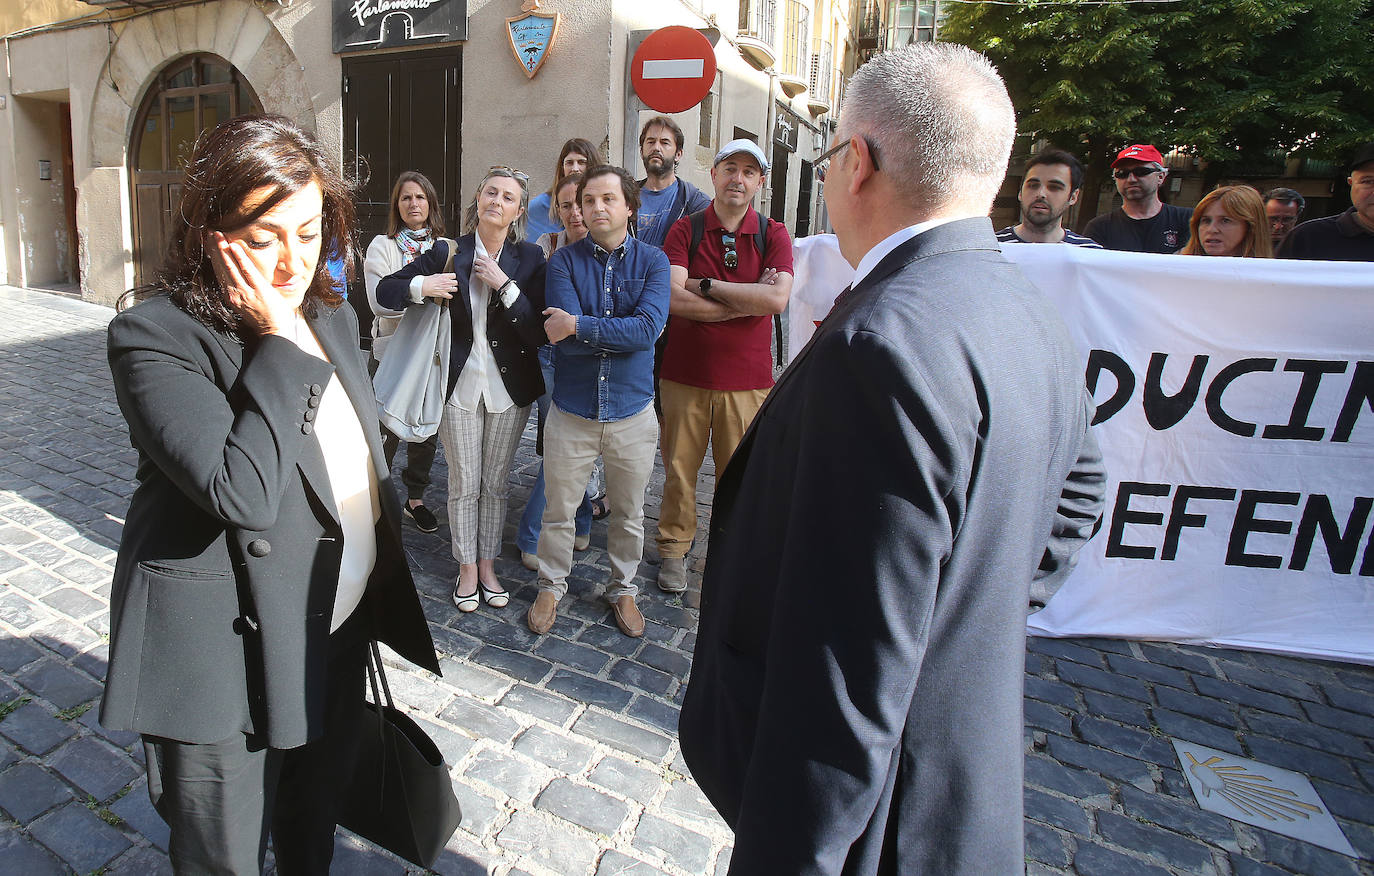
360 25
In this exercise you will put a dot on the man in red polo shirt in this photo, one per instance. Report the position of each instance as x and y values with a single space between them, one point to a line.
718 365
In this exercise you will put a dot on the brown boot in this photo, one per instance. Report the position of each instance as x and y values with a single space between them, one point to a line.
627 616
544 611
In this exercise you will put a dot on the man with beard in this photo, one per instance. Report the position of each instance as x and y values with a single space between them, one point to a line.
1143 223
663 197
1054 180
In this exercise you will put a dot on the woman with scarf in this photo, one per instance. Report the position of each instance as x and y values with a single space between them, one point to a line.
414 223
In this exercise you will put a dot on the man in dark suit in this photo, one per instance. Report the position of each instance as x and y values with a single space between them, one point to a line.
855 699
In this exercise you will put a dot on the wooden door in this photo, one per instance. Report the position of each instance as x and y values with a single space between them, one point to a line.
188 96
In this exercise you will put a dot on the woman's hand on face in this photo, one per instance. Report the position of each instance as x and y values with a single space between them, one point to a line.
259 304
439 286
489 272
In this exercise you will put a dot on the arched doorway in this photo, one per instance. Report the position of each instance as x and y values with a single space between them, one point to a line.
188 96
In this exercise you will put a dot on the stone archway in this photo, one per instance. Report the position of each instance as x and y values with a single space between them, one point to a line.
235 30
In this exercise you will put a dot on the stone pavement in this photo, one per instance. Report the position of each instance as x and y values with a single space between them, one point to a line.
562 747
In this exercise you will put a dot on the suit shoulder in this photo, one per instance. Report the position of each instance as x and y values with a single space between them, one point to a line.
159 311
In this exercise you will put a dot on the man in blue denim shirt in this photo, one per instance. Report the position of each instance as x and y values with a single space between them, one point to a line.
607 299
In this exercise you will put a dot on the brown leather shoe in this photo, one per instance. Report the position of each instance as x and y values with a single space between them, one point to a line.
627 616
543 612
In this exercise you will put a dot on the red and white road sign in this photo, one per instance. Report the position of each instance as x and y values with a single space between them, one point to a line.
673 69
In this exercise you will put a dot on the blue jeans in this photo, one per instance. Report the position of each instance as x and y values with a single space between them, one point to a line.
527 535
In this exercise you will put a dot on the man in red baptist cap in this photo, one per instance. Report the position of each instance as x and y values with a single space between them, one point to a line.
1143 223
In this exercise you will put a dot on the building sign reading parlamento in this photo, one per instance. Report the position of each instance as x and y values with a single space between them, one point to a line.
360 25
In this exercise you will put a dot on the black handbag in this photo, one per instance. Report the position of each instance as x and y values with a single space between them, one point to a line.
402 796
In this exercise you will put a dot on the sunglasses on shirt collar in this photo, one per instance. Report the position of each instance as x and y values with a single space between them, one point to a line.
731 257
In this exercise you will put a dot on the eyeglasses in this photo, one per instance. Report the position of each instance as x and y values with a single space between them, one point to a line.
731 257
1283 221
1137 172
495 170
822 163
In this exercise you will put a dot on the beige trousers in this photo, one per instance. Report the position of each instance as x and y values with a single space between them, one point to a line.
571 446
692 417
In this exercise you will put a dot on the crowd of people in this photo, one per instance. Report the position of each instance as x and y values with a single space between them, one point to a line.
881 517
1232 220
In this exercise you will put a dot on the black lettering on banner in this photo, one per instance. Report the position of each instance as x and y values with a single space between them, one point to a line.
1312 370
1219 386
1340 546
1163 411
1179 516
1122 514
1125 382
1247 522
1357 398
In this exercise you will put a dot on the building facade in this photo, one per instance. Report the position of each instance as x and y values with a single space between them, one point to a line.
101 101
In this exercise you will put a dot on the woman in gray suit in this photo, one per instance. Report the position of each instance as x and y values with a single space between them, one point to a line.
259 553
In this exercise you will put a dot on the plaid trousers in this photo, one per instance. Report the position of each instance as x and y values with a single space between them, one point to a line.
479 447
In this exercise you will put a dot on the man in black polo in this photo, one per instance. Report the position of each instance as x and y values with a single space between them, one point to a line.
1143 223
1349 236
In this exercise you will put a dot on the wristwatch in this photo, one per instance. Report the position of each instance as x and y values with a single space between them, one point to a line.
705 287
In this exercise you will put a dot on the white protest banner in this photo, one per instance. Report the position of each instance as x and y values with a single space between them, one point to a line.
1236 415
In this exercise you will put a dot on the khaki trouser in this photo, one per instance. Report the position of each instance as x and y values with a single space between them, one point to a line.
571 446
691 417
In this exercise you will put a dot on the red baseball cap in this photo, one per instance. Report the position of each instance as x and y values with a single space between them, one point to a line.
1139 152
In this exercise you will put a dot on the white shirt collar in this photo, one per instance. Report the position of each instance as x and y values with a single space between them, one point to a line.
891 242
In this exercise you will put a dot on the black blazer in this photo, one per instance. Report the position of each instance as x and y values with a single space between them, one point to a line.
858 672
224 587
515 333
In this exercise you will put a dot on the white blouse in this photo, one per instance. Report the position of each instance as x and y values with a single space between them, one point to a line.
480 379
352 480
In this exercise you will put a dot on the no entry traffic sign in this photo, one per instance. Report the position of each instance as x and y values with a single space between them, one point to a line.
673 69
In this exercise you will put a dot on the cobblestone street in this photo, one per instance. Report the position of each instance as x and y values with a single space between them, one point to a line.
563 747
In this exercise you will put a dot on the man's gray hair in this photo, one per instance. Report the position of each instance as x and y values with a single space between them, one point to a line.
941 118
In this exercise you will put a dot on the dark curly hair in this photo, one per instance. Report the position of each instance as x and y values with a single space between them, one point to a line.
231 161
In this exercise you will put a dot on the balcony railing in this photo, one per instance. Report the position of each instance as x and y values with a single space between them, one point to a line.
796 42
822 78
758 19
822 70
757 35
870 29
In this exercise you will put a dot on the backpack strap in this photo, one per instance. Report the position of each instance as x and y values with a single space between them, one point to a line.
698 223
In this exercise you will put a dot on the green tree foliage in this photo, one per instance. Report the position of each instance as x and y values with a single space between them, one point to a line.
1234 81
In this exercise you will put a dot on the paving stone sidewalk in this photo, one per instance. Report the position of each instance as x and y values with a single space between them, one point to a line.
563 747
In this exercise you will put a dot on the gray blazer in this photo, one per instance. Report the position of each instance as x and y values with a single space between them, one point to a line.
857 682
224 588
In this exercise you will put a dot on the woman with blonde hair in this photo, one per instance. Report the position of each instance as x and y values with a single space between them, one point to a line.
1230 221
496 283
